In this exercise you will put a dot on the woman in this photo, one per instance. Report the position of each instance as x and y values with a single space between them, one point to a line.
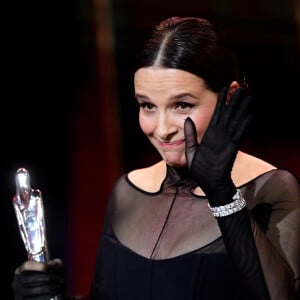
208 221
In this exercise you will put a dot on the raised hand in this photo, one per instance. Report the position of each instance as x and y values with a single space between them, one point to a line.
211 161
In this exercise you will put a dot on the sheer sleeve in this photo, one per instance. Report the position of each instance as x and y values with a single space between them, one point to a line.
264 241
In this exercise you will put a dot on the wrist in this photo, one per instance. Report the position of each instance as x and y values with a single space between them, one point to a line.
237 204
222 196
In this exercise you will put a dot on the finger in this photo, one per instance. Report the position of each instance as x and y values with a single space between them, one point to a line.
55 266
31 265
232 108
242 112
34 279
239 133
191 142
56 262
219 107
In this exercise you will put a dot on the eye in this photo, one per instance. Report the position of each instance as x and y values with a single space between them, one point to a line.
147 106
184 106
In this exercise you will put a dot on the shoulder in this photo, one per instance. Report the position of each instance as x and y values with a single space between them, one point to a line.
248 167
270 184
149 178
128 187
284 182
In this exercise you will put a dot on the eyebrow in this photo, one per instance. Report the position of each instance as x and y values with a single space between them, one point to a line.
173 97
182 95
141 97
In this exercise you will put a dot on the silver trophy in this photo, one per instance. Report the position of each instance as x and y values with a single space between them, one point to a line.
28 205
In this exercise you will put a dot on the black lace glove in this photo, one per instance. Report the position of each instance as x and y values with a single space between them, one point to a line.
33 280
211 161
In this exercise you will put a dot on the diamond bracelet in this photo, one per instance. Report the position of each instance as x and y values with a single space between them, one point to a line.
228 209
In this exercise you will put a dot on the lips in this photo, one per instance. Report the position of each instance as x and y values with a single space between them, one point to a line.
171 145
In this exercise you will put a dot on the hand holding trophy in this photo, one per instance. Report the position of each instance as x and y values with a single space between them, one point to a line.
28 205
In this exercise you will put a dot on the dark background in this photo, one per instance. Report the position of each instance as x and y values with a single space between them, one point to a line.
50 77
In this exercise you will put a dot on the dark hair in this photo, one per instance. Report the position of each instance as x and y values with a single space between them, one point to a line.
193 45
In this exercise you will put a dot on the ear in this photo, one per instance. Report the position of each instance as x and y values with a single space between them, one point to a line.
232 88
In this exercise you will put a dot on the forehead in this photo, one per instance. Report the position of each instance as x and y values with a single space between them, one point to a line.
157 78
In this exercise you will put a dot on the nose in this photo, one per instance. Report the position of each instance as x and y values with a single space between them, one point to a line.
166 127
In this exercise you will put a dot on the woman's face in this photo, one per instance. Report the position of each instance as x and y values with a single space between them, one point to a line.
166 98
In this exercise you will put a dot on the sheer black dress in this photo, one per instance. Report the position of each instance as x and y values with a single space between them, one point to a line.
166 245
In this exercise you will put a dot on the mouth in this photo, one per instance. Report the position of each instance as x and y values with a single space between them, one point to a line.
171 145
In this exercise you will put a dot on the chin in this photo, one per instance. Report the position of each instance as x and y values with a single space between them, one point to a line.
173 158
178 163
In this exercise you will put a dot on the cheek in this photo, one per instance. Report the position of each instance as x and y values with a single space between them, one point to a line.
147 124
201 123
